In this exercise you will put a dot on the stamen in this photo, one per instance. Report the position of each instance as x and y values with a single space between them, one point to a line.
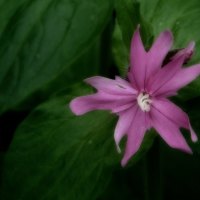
144 102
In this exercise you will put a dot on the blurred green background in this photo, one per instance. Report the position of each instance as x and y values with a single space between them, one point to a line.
47 47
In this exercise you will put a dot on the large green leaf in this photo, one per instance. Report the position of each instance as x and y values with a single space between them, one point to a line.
60 155
182 19
86 66
41 38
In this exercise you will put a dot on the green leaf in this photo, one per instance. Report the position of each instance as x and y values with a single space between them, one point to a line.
39 39
128 18
86 66
119 51
127 11
60 155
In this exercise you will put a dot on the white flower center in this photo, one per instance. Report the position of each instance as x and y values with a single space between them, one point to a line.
144 102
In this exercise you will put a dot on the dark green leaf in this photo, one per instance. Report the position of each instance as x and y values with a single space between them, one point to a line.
129 17
39 39
119 50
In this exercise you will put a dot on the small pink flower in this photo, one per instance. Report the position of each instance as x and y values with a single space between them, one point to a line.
141 102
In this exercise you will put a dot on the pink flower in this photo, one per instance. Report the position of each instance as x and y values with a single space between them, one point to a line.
142 102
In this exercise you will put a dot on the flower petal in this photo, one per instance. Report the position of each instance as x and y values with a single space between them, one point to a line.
175 114
123 124
135 135
110 86
158 52
123 107
164 75
168 130
99 101
187 52
138 59
124 82
181 79
132 80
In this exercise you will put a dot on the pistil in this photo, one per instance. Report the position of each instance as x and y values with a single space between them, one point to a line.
144 102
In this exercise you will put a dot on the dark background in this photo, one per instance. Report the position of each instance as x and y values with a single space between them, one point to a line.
47 47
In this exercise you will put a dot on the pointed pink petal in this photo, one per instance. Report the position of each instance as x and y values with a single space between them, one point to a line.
158 52
175 114
132 80
138 59
187 52
111 86
135 135
123 107
123 82
168 130
181 79
123 124
164 75
99 101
